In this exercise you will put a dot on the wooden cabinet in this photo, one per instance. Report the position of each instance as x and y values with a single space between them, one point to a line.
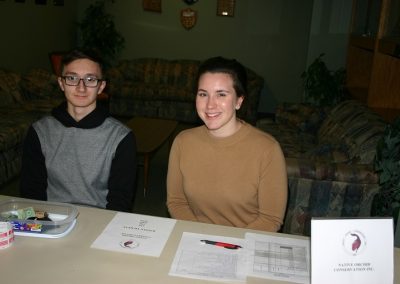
373 59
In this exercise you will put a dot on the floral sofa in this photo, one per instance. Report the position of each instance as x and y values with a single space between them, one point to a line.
155 87
24 98
329 155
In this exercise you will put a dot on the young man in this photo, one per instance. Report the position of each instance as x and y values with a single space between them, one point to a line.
79 154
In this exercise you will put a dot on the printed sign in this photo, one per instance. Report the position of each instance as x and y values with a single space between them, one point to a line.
352 251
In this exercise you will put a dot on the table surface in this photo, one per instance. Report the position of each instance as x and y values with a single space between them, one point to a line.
151 132
71 260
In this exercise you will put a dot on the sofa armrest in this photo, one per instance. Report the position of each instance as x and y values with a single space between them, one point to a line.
323 189
310 198
319 170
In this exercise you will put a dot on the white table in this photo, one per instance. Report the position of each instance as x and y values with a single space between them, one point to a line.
70 259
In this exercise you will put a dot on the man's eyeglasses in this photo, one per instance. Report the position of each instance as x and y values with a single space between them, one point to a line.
88 81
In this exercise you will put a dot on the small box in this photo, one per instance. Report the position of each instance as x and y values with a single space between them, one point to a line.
62 215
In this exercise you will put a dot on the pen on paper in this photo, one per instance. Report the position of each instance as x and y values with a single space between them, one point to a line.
221 244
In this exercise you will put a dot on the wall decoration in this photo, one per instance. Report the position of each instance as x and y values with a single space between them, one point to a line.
226 8
152 5
40 2
19 1
188 18
58 2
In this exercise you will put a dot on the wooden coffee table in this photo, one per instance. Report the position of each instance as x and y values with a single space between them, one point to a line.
150 134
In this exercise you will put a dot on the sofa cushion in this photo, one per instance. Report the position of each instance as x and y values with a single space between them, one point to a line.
336 153
348 134
305 117
164 109
356 126
156 71
310 198
14 121
293 142
9 88
40 84
136 91
155 84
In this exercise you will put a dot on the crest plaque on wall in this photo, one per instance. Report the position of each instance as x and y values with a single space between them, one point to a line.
188 18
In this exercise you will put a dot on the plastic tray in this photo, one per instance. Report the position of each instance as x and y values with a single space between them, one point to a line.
62 215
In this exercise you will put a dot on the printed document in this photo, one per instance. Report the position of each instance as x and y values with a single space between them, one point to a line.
279 258
210 257
136 234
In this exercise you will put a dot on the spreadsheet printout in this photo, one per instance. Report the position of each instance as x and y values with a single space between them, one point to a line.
278 258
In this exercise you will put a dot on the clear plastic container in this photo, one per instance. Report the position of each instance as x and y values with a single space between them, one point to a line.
62 216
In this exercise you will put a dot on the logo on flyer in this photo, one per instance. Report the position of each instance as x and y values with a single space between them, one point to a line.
129 244
354 242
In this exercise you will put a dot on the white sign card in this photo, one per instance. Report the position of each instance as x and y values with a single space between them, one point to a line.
136 234
397 234
352 251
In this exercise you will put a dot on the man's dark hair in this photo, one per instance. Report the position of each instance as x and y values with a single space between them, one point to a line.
81 53
228 66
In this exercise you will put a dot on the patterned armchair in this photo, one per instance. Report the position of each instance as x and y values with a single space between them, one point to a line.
329 157
23 99
155 87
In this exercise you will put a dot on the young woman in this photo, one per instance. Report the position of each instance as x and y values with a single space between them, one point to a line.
226 171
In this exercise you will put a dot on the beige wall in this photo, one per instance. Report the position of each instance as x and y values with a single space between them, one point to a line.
329 32
268 36
29 32
272 37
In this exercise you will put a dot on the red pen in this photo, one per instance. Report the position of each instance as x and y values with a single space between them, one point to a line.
221 244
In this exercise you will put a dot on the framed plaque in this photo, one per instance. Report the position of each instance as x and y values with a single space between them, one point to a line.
152 5
226 8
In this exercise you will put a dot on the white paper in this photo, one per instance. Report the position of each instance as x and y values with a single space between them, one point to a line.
352 251
136 234
196 259
279 258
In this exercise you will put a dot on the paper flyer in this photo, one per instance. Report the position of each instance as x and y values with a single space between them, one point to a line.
210 257
136 234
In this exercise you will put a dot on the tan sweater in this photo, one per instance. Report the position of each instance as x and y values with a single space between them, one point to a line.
236 181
